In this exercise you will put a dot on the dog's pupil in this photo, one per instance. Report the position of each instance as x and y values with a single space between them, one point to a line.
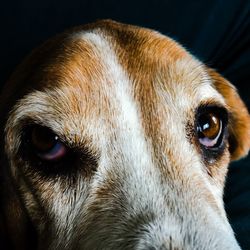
209 126
43 139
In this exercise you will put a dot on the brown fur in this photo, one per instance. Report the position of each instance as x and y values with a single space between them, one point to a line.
76 98
239 129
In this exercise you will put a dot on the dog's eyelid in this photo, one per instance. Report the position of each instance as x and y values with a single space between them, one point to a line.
217 108
212 104
29 124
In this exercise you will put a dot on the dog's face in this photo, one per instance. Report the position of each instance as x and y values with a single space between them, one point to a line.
117 138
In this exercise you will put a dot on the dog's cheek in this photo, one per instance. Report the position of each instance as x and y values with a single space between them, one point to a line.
217 170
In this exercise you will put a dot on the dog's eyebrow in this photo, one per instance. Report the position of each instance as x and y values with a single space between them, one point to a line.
31 108
47 109
213 103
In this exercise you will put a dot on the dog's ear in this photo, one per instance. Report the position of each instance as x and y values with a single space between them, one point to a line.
239 125
16 229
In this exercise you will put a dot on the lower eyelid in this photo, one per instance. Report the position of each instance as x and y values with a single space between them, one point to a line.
57 152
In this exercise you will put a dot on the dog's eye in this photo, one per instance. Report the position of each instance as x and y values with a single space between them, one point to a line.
209 129
45 144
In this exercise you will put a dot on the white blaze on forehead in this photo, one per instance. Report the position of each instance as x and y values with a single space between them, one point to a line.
130 143
118 88
120 92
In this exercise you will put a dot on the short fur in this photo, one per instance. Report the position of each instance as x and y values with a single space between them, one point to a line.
125 97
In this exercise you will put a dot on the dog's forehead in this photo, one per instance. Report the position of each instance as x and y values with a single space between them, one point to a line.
101 72
102 57
145 60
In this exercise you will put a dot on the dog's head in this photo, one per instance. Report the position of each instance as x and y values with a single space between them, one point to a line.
115 137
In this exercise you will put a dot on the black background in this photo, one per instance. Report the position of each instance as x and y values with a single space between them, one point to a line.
216 31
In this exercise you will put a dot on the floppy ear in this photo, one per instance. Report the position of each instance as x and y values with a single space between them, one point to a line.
239 125
16 230
13 223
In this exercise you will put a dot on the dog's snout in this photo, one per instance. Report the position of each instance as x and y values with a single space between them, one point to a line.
166 217
186 238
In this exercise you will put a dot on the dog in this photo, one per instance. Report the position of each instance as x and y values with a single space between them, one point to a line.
115 137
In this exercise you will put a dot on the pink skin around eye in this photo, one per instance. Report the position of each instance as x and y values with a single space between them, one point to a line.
57 152
209 143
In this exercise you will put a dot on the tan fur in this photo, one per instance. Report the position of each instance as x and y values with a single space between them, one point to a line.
240 124
125 98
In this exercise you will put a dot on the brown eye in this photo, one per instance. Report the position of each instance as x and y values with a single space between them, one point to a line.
209 128
46 144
